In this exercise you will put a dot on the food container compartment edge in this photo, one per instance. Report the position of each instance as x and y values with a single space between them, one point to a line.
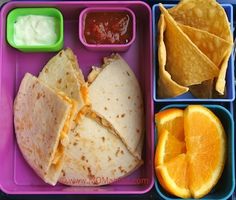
16 177
188 97
226 184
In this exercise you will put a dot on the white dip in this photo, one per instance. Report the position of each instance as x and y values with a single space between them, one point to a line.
34 30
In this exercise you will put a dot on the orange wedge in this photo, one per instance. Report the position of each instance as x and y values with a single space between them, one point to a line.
172 121
168 147
173 176
206 149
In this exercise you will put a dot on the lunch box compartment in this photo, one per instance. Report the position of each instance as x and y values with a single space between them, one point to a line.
230 92
52 12
106 47
16 177
226 184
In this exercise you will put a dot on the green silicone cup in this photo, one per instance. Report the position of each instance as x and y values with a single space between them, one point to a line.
52 12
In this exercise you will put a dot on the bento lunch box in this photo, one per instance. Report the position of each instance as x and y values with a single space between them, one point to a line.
16 177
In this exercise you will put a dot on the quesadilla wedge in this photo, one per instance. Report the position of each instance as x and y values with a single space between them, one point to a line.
115 96
95 156
42 119
62 73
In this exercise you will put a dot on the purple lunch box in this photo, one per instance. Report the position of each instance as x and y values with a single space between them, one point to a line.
106 47
16 177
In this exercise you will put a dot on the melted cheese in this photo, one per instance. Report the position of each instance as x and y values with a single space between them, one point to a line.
58 154
71 114
81 113
102 121
93 74
84 93
60 148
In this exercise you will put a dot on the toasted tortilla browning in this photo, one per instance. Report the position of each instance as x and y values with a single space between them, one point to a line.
40 117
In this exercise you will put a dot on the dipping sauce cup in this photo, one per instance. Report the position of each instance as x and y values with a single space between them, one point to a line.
40 20
107 28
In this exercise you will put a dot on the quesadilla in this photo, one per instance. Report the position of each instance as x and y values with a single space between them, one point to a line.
95 156
62 73
42 119
80 145
116 98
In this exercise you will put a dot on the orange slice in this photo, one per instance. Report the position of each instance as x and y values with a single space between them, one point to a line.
173 176
206 149
172 121
168 147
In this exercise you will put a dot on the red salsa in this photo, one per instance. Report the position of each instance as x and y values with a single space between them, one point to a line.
108 28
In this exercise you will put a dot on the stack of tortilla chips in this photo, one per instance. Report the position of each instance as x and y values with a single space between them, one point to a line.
194 47
76 132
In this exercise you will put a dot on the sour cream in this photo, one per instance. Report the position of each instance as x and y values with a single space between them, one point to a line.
35 30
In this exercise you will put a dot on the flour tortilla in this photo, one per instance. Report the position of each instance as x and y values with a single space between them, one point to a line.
95 156
62 72
167 87
115 95
41 116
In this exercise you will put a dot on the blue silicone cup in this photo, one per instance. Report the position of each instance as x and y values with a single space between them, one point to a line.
225 186
230 92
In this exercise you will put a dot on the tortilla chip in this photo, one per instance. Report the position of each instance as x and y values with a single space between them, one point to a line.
185 57
220 83
217 95
214 47
203 90
211 17
206 15
166 86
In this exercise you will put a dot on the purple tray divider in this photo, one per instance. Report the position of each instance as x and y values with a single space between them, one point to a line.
15 175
